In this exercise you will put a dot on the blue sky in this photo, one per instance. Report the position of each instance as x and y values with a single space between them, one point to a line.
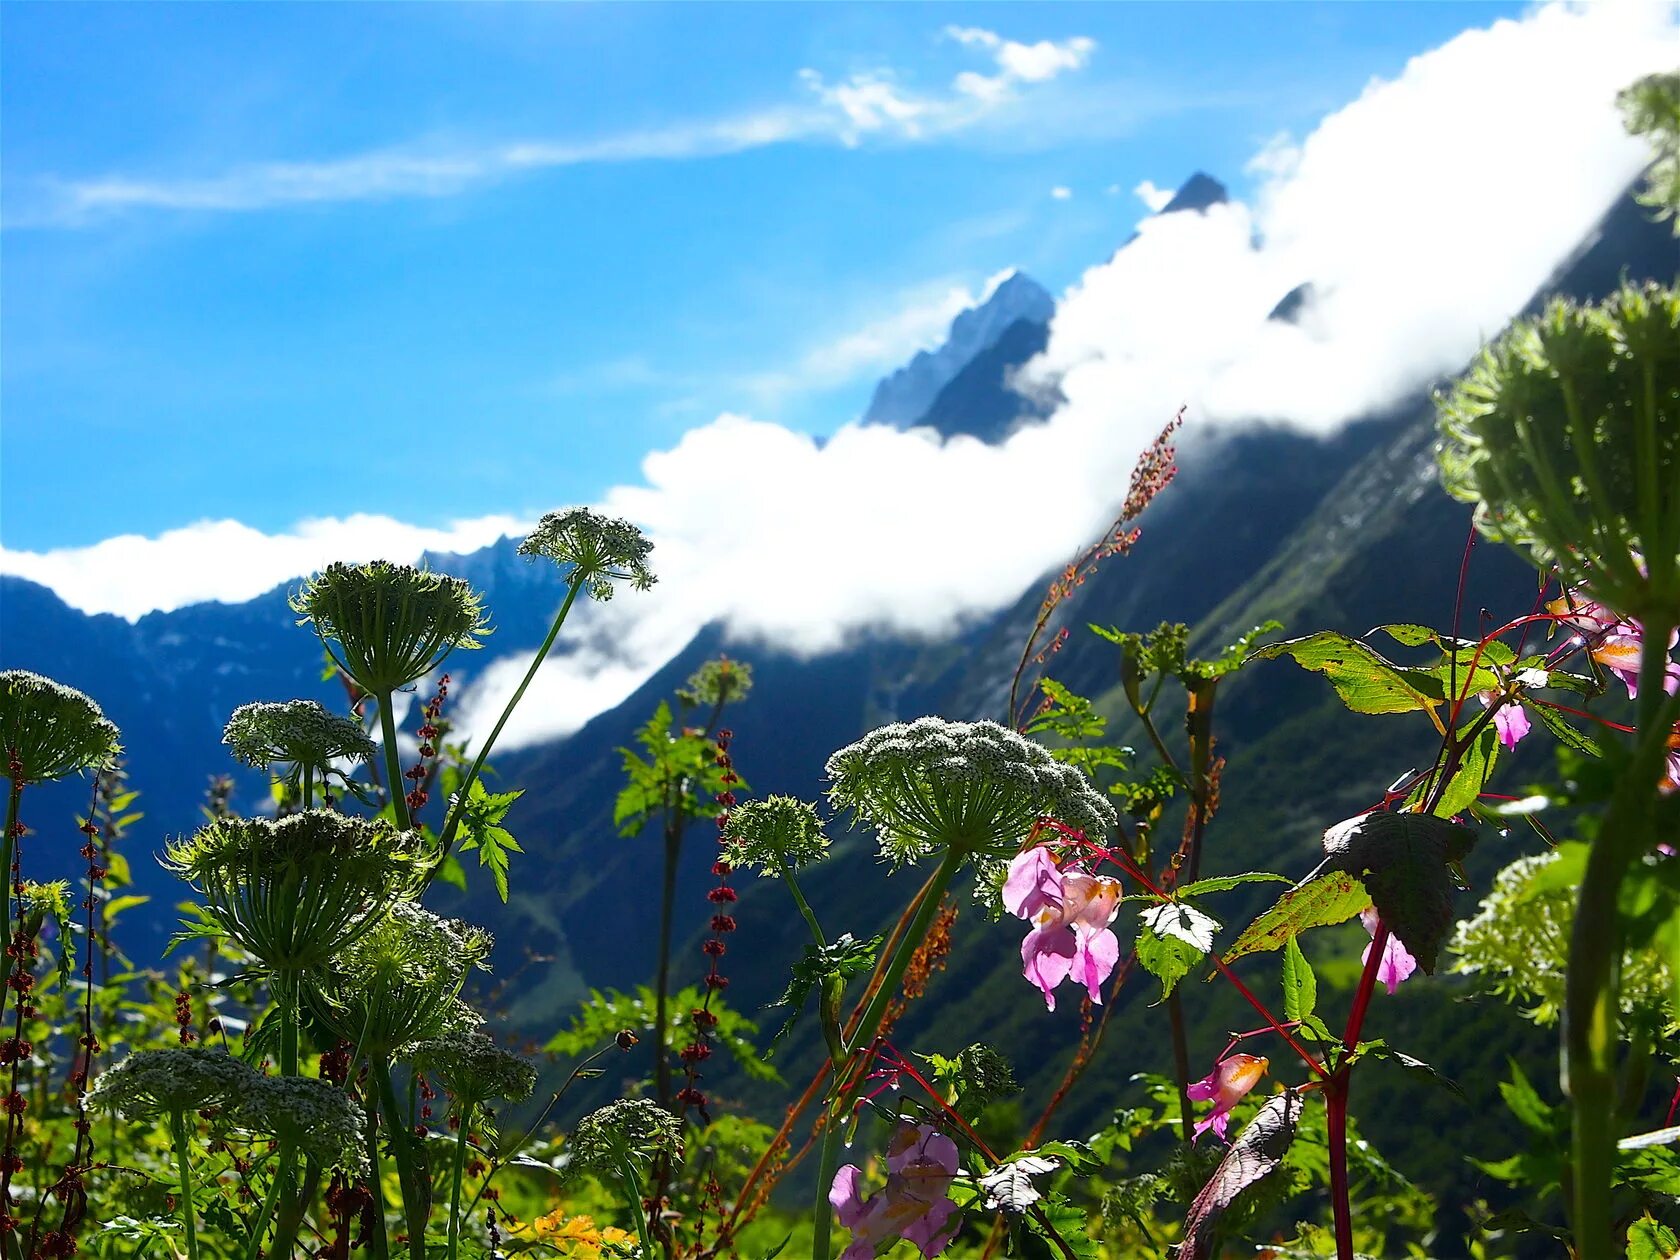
266 262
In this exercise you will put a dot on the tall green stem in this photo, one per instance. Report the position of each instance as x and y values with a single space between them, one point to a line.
804 906
381 1248
178 1131
253 1247
633 1193
415 1207
868 1025
1593 987
662 976
452 823
8 849
393 766
308 784
455 1179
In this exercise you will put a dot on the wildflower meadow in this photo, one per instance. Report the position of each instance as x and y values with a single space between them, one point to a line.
315 1066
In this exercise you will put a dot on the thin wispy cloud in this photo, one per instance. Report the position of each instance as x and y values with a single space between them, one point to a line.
874 105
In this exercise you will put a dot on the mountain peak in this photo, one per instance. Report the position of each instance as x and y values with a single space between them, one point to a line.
903 398
1196 193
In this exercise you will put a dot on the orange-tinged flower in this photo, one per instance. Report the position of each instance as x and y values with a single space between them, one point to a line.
1229 1082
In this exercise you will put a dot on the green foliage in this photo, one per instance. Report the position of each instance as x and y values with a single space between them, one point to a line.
975 1079
824 969
482 815
1331 898
48 730
1365 681
1404 862
1651 108
608 1012
679 772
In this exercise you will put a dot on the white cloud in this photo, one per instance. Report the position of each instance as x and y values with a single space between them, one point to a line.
1155 198
1061 192
224 560
1424 214
868 104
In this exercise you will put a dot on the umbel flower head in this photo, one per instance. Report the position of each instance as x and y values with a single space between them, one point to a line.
634 1129
48 730
930 785
313 1116
592 550
398 982
393 623
1566 435
779 833
717 682
152 1083
296 733
474 1068
294 892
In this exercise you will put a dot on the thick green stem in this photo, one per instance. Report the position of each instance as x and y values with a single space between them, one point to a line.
864 1037
452 823
308 784
455 1178
1593 986
380 1247
633 1194
290 1218
409 1177
178 1131
393 766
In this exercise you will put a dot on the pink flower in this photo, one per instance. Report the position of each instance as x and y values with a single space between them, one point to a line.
1509 719
1070 912
915 1204
1620 652
1397 963
1231 1079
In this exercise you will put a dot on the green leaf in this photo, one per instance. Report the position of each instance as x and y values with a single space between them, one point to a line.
1257 1152
481 825
1182 922
1525 1103
1380 1051
1403 860
975 1079
1332 898
1300 986
1222 883
1558 725
1406 633
1364 680
1648 1239
838 960
1474 770
1168 959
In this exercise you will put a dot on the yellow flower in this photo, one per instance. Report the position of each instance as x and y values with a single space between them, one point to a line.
579 1238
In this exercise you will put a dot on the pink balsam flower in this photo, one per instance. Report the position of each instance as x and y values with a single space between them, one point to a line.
1229 1082
915 1204
1509 719
1614 641
1070 912
1397 962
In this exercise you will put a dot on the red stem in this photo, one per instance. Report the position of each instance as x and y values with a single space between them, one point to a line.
1336 1097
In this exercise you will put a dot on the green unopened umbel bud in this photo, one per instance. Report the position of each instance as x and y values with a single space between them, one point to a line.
976 787
1651 108
152 1083
1566 435
474 1068
296 733
392 623
48 730
592 550
779 833
294 892
400 981
634 1129
717 682
313 1117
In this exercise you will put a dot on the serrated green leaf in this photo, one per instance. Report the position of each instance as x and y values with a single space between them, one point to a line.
1472 775
1404 862
840 959
1331 898
1182 922
1222 883
1300 986
1649 1239
1365 681
1558 725
1167 958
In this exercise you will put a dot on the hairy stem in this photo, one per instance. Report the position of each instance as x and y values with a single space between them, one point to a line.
466 1118
415 1207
